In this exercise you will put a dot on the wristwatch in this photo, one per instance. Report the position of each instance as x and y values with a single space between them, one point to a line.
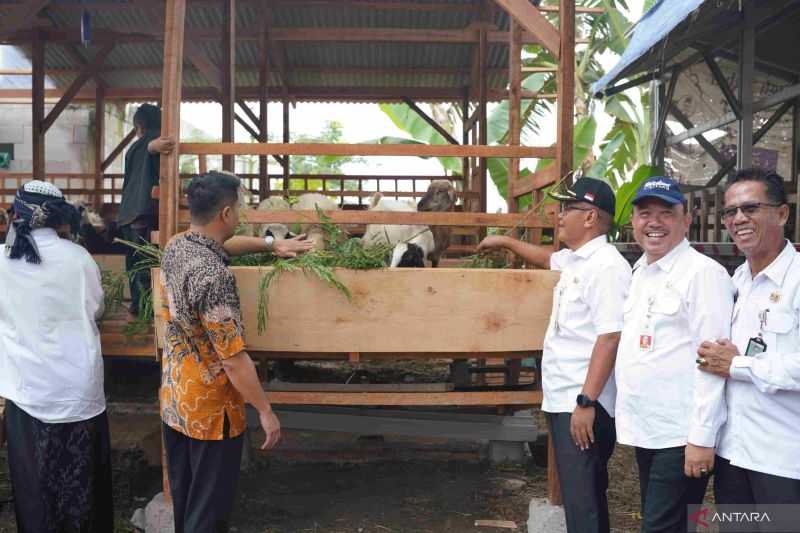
584 401
270 240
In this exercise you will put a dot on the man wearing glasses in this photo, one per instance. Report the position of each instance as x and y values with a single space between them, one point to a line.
667 409
580 346
758 457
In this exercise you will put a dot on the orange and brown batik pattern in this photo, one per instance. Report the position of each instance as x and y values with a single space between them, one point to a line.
203 326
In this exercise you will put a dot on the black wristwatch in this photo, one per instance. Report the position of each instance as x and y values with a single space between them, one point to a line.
584 401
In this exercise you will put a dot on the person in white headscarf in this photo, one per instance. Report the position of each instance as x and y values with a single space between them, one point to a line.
51 370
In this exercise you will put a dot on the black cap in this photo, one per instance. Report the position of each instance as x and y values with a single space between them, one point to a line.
592 191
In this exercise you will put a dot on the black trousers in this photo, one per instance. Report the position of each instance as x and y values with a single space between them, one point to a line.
666 490
60 474
735 485
139 282
584 474
203 475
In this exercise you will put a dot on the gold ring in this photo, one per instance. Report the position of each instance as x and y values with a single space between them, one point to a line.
701 361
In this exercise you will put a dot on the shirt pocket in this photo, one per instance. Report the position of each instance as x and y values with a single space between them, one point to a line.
779 327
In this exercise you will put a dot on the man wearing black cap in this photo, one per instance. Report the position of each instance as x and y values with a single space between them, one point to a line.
666 408
580 346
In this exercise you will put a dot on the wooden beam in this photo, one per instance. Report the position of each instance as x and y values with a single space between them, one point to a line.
228 77
274 48
99 145
246 125
76 85
514 107
171 118
505 220
145 34
435 125
417 150
530 18
285 163
247 111
565 80
537 180
263 100
37 107
406 398
22 17
483 120
107 162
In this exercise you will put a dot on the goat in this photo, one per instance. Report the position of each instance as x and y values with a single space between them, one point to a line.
310 202
440 197
412 243
279 231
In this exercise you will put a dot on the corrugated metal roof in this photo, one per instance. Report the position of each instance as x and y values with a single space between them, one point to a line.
324 65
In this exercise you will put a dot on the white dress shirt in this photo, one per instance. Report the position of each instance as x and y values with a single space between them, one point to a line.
587 302
663 401
50 360
762 432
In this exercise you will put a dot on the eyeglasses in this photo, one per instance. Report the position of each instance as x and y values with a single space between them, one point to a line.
566 207
747 210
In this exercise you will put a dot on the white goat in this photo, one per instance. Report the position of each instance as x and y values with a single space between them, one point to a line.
412 243
310 202
277 230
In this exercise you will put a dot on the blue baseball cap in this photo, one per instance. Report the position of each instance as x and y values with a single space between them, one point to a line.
663 188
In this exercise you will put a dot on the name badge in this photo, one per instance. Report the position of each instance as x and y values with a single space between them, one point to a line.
647 337
755 346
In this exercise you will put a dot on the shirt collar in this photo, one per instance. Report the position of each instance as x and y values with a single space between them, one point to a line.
209 243
776 271
668 261
591 247
45 234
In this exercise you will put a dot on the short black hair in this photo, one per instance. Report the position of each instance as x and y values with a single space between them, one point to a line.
772 181
210 193
147 117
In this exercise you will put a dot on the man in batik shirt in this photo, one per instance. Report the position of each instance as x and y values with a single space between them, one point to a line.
207 376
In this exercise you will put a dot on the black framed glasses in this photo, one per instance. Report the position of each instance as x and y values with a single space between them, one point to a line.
748 209
566 207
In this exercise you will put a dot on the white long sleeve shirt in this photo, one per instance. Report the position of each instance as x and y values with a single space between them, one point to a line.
674 304
587 302
50 359
762 432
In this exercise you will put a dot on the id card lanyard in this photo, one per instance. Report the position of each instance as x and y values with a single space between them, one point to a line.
757 345
647 336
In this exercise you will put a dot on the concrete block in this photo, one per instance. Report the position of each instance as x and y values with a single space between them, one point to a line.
156 517
506 452
12 134
80 135
545 518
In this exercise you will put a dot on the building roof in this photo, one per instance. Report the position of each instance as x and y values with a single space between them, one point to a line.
424 46
676 33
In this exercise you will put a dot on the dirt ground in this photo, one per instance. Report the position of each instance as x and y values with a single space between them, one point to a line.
335 482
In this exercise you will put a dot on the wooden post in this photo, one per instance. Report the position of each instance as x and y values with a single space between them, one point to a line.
171 118
704 199
263 100
285 140
228 78
37 106
99 143
483 122
514 105
717 214
464 141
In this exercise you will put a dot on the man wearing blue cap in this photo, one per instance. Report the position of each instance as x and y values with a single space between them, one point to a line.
666 408
580 346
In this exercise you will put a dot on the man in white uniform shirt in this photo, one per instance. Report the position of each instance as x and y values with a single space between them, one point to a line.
670 411
759 450
580 347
